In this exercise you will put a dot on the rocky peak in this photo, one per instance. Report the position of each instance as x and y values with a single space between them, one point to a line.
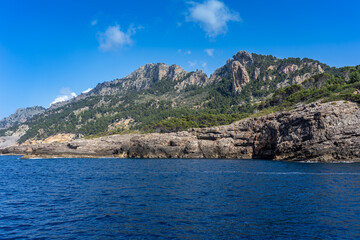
268 71
241 60
147 75
244 58
198 78
20 116
235 69
155 72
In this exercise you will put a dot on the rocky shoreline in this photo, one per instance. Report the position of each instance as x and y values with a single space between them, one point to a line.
317 132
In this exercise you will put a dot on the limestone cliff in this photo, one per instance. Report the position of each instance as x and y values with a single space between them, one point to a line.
155 93
145 76
320 132
268 71
235 69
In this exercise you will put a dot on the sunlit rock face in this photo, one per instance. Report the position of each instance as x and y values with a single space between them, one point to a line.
318 132
244 68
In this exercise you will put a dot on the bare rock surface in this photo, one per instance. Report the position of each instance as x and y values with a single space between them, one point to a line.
318 132
145 76
242 68
240 76
235 69
11 137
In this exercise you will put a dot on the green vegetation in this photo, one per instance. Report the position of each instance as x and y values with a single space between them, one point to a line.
193 121
161 108
323 87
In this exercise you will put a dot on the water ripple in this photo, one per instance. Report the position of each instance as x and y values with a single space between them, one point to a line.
177 199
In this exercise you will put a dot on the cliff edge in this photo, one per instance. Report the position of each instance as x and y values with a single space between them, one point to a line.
317 132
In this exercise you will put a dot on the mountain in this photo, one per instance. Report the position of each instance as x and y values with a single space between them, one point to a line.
259 75
163 98
146 76
20 116
316 132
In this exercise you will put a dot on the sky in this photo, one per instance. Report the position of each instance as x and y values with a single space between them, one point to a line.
53 50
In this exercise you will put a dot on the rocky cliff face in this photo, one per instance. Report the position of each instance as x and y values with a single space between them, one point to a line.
245 67
320 132
20 116
157 92
145 76
242 69
11 137
235 69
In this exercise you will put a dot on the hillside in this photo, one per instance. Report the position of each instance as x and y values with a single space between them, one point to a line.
20 116
163 98
316 132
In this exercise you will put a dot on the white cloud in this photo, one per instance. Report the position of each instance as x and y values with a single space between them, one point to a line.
188 52
204 64
67 94
212 15
87 90
94 22
210 51
192 64
113 38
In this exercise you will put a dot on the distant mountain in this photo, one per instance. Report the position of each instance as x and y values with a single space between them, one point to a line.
20 116
163 98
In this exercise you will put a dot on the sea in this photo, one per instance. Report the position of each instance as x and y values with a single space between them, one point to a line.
177 199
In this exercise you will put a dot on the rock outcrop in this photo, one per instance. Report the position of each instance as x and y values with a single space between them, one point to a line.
198 78
245 67
235 69
240 76
147 75
319 132
11 137
144 78
155 90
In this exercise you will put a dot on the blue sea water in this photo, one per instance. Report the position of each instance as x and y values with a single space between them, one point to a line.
177 199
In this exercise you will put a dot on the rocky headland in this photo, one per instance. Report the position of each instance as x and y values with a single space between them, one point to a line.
317 132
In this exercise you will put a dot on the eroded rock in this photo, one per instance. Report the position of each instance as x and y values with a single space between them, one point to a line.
319 132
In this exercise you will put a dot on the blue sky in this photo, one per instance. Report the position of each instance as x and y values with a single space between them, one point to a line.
55 49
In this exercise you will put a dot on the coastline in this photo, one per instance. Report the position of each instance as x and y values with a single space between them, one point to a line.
44 156
318 132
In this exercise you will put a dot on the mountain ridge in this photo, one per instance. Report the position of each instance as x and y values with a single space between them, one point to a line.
161 97
21 115
143 77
